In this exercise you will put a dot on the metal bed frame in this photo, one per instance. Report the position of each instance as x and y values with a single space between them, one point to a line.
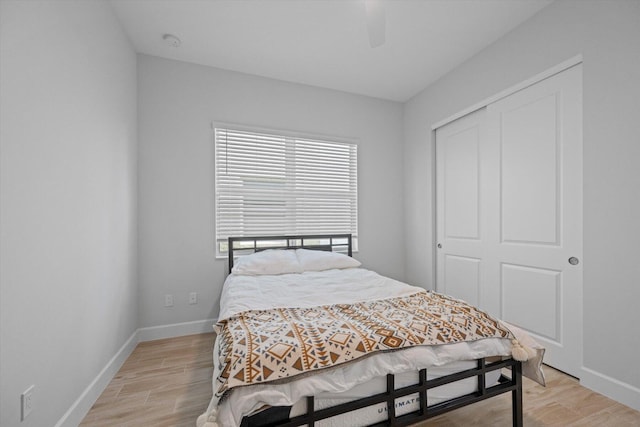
279 416
320 242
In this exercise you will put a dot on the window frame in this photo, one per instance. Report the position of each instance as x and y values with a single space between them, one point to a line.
287 134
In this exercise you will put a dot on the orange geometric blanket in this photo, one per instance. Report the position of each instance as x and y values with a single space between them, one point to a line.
260 346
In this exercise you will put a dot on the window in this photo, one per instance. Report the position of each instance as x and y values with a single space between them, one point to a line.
275 184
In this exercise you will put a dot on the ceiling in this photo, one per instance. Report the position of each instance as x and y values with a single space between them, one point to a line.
325 42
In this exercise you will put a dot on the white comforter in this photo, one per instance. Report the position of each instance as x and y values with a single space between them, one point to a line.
309 289
241 293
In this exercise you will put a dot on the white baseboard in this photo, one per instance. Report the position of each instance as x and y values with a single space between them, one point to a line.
81 406
176 330
611 387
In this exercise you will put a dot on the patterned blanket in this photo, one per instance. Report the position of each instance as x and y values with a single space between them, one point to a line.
260 346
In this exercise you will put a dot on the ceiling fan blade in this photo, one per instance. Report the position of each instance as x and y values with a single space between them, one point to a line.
376 22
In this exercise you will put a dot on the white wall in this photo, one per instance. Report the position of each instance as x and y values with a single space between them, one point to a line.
68 258
68 295
607 34
177 102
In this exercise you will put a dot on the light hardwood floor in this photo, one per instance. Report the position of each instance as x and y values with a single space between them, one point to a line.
162 383
168 383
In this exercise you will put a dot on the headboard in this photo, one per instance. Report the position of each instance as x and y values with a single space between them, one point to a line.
239 246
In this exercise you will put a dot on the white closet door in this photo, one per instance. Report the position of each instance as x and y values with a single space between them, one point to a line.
529 189
537 214
460 227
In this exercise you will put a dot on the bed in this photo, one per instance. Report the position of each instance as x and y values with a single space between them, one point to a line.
314 279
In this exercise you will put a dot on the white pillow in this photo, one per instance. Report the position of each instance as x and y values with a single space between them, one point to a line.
270 261
324 260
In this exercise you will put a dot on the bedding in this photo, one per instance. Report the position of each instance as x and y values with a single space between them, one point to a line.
270 261
242 293
311 260
259 346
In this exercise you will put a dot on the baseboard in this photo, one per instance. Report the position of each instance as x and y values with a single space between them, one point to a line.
175 330
81 406
611 387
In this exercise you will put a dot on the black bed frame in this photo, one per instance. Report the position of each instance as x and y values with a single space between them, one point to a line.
279 416
319 242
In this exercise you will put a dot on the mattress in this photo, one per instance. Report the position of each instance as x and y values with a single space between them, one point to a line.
377 413
351 380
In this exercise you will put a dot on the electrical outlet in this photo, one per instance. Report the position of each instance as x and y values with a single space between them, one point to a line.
193 298
168 300
26 400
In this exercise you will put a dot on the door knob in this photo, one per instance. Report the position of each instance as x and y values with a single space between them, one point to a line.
574 261
439 245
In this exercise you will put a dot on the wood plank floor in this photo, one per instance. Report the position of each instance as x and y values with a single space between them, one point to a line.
168 383
162 383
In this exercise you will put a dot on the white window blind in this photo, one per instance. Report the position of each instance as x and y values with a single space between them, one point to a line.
269 184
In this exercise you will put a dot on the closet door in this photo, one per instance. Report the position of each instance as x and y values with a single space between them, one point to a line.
509 212
533 280
461 227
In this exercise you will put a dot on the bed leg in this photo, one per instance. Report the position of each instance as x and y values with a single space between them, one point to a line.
516 395
391 401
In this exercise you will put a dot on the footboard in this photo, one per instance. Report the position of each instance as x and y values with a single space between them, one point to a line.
279 416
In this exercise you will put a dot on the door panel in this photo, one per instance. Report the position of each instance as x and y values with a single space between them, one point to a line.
529 146
459 207
531 299
462 278
461 184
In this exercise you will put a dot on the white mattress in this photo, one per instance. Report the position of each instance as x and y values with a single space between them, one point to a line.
241 293
376 413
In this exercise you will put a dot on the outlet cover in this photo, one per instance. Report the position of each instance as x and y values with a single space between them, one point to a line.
26 400
168 300
193 298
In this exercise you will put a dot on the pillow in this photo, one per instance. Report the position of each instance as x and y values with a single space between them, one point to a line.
270 261
324 260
